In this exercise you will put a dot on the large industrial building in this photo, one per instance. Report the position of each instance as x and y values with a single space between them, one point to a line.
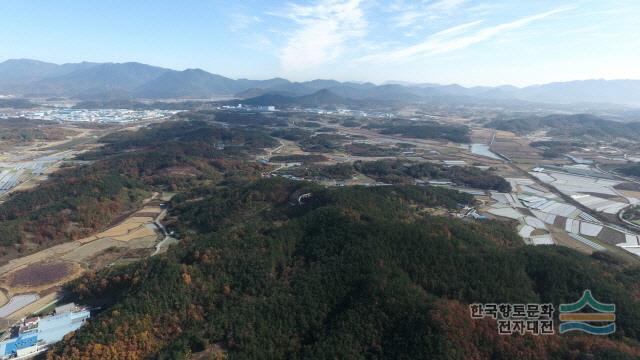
35 334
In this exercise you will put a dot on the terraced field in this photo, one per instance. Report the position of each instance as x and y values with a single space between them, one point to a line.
37 277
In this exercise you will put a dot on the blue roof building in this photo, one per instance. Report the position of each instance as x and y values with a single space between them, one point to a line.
36 334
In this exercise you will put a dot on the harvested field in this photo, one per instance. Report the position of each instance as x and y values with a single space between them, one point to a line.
43 255
538 232
514 147
139 232
142 243
630 194
560 221
152 209
106 257
87 250
138 218
42 273
113 255
150 215
561 238
39 274
611 236
125 227
481 135
628 186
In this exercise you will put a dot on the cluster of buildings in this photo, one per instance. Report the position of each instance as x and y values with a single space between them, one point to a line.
90 115
348 112
34 335
260 108
320 111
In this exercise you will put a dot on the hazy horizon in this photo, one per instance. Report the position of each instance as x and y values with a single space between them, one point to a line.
471 43
385 82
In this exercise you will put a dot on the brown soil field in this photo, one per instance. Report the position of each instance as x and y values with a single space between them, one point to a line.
514 147
561 238
139 232
150 209
85 251
611 236
631 187
481 135
537 232
151 215
44 272
3 298
125 227
40 277
560 221
39 274
105 257
627 193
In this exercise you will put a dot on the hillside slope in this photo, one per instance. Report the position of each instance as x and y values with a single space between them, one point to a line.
358 273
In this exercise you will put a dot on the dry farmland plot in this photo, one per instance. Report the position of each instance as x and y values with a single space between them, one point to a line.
561 238
39 274
40 277
125 227
44 272
87 250
515 148
481 135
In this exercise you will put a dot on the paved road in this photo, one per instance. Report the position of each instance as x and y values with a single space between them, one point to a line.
167 240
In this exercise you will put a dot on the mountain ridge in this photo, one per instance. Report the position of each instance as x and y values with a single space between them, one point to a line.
88 80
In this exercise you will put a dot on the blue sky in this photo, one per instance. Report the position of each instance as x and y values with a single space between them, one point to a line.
443 41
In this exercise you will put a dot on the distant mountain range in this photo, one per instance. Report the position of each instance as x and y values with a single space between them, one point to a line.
132 80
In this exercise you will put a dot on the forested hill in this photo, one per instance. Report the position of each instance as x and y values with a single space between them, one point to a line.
290 270
79 201
577 125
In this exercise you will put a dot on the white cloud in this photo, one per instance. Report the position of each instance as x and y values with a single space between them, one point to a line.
323 29
455 38
457 29
241 21
447 5
415 13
